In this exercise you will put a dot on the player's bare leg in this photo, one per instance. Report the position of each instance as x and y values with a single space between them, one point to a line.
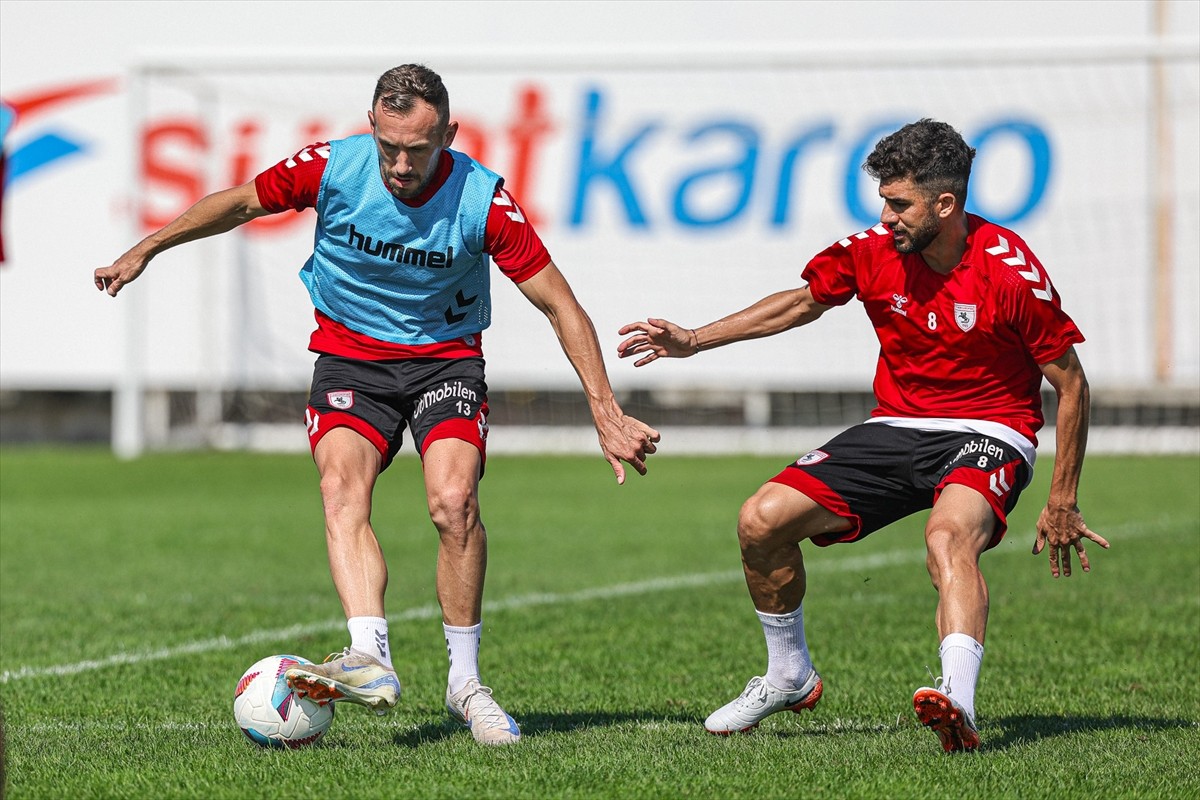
959 528
771 526
452 492
362 673
349 465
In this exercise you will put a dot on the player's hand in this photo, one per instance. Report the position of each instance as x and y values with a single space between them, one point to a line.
124 270
1063 528
624 438
657 338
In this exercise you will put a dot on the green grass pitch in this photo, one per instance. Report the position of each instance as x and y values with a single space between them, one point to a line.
134 594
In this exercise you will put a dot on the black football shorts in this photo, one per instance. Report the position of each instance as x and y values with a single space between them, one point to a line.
436 398
875 474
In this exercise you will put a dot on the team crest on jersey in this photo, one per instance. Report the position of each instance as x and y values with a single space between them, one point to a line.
341 400
811 457
964 315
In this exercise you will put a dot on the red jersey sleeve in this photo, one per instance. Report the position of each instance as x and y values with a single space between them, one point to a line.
294 182
831 275
1035 307
511 240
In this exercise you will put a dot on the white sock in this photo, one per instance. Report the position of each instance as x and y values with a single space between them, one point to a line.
462 646
788 662
961 658
370 635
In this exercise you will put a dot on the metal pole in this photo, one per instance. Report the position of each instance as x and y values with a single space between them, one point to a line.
1164 303
128 411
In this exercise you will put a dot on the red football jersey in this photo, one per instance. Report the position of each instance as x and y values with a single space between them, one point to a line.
509 239
966 345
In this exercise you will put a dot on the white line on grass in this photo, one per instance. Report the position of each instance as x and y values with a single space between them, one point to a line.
816 566
109 725
433 612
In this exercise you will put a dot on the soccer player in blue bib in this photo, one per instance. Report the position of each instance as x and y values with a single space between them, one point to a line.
399 278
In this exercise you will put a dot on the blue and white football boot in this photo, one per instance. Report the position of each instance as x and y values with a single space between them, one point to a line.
349 675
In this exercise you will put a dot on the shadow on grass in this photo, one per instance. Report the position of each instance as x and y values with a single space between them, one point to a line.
1028 728
533 725
1014 731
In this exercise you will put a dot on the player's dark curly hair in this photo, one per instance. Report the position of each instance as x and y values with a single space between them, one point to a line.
932 154
400 87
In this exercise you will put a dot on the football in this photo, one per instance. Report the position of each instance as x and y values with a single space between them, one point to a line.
270 713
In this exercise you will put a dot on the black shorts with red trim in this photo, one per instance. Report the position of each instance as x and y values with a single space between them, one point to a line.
875 474
436 398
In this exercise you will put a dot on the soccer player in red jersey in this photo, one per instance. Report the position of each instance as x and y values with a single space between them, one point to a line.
968 325
399 279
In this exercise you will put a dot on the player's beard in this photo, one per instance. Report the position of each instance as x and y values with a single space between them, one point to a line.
395 191
917 239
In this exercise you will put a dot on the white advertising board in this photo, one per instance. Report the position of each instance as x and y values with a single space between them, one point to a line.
684 182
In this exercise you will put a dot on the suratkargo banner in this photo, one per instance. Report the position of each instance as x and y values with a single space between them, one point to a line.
679 193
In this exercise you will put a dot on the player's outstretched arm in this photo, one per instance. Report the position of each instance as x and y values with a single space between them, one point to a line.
659 338
218 212
1061 525
622 438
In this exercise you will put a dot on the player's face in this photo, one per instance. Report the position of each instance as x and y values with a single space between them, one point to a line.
409 146
910 214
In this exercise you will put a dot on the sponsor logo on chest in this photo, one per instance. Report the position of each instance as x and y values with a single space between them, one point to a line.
394 251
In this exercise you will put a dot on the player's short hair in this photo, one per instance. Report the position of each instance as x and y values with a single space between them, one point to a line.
931 154
401 87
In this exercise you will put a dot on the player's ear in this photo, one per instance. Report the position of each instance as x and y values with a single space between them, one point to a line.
945 204
371 119
451 130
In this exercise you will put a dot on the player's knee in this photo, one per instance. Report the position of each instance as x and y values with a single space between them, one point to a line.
757 523
343 491
950 553
454 510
